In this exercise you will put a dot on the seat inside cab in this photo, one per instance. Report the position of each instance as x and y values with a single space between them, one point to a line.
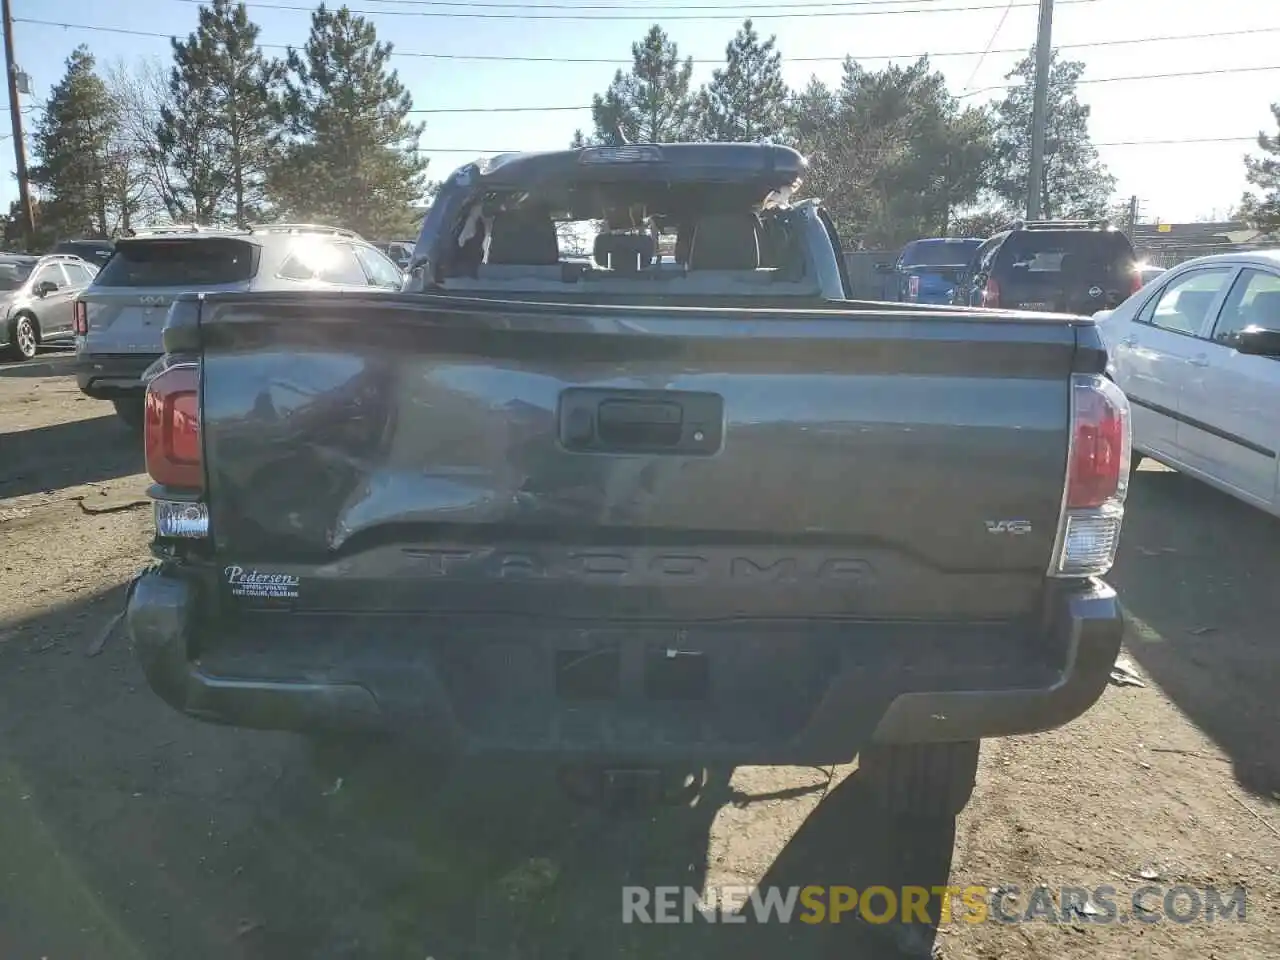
533 248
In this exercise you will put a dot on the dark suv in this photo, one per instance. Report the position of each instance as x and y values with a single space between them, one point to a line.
97 252
1061 266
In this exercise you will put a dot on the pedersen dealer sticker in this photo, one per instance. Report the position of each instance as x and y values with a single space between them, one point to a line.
261 584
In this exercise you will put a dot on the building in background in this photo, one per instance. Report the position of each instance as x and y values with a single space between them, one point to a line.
1169 244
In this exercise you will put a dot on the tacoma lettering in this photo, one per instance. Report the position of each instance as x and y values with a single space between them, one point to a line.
640 566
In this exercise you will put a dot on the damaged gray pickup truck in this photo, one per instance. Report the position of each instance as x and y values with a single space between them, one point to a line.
679 501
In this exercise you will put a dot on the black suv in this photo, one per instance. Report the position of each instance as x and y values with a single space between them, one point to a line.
1062 266
97 252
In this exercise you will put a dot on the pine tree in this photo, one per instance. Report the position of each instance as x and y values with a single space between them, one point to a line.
1075 182
891 153
1263 173
652 102
14 236
217 133
72 152
746 100
352 157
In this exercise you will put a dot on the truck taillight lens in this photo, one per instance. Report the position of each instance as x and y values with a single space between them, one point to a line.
172 429
80 318
1098 471
991 293
1097 479
913 288
1137 283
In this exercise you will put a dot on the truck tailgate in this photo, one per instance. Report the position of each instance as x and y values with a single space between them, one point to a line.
458 456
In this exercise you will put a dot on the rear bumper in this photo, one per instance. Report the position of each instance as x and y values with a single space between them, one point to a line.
112 376
314 674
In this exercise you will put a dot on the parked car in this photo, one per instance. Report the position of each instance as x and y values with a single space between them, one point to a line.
1196 353
120 316
1147 273
36 297
1063 266
400 251
633 511
926 270
97 252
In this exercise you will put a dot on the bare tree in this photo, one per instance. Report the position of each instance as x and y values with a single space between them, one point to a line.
142 189
574 239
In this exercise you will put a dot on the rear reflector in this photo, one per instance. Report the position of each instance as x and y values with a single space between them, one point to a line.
1090 542
1097 479
172 428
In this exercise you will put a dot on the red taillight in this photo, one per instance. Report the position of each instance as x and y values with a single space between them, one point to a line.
80 318
1097 479
991 293
1099 469
1137 283
172 431
913 288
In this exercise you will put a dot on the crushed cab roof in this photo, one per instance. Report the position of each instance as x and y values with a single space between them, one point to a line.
771 164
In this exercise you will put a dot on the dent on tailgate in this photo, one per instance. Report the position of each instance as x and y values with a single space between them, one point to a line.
406 458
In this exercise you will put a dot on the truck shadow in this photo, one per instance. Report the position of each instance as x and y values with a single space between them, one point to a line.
495 862
52 361
1197 574
131 831
66 454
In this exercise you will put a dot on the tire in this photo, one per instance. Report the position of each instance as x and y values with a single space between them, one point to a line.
130 411
921 781
24 337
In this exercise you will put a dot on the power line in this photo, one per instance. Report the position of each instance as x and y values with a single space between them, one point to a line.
481 151
1140 76
1007 86
649 18
616 61
568 108
724 8
1114 143
1177 141
994 33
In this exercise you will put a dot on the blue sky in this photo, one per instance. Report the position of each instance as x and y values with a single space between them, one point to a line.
1175 181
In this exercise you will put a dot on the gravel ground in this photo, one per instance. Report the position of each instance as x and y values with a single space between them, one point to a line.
130 832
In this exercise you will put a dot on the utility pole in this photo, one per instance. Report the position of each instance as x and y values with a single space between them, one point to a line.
15 114
1133 214
1039 103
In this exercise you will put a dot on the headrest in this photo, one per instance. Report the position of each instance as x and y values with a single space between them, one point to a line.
725 241
1264 309
1194 303
524 238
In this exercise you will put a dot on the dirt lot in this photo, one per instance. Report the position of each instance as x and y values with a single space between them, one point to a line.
130 832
